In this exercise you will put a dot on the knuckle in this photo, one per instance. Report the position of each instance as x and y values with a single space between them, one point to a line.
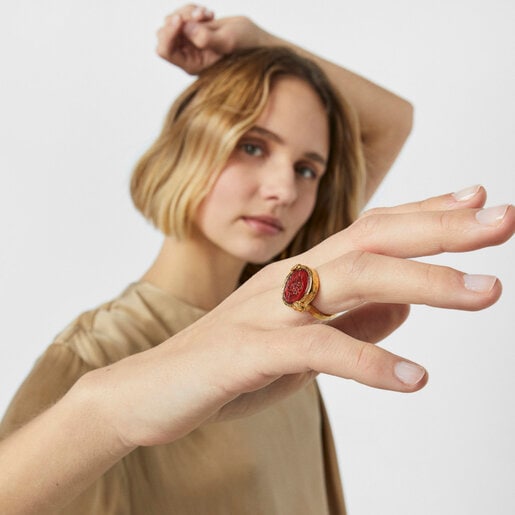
441 278
446 220
354 267
370 212
363 359
201 38
360 357
316 340
424 205
366 225
432 275
356 262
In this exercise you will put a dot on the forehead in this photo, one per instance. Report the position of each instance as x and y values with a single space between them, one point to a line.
295 112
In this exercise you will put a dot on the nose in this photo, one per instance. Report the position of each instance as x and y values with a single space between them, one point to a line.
278 183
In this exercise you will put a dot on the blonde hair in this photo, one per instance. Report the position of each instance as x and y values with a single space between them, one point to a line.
204 126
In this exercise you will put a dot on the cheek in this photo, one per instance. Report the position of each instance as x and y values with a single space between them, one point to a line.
228 188
306 207
220 196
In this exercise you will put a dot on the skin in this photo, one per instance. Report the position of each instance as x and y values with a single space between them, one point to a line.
251 350
263 196
192 38
247 357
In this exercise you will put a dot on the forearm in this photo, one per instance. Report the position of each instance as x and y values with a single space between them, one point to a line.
57 455
385 119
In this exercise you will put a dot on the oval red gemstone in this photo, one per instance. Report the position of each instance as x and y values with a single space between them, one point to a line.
296 286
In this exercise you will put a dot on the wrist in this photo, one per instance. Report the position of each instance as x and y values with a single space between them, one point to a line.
267 39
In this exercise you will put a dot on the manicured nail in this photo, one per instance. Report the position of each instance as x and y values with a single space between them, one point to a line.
479 283
491 215
466 193
408 373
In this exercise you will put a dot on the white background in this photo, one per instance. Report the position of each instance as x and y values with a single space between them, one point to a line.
81 97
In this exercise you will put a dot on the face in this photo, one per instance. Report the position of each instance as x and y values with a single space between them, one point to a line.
268 188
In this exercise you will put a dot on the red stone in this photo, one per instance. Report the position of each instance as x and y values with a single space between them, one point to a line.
296 286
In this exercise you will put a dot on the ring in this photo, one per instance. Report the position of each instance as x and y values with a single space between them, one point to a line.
300 289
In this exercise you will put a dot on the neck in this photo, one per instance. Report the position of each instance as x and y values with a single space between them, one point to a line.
200 276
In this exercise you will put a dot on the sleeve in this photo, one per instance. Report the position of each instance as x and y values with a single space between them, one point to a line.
53 375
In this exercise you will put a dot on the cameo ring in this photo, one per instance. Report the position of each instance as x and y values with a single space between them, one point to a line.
300 289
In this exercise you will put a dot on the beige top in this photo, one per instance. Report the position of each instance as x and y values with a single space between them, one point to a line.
279 461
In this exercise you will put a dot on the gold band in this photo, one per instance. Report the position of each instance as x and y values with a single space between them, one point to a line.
300 289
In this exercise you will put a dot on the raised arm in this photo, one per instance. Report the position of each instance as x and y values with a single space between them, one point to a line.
246 357
192 39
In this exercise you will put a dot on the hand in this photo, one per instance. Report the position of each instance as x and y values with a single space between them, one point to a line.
253 350
193 39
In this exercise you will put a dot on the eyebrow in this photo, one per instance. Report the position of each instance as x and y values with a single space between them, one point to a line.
314 156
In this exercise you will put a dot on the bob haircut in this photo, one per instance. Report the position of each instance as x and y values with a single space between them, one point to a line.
204 126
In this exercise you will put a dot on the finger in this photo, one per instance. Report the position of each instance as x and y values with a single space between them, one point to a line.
429 233
201 13
324 349
420 234
249 403
372 322
170 34
193 12
473 196
208 36
168 37
401 235
360 277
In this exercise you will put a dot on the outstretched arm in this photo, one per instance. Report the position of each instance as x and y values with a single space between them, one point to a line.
192 39
247 357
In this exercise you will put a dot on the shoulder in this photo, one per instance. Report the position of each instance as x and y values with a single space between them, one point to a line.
136 320
53 374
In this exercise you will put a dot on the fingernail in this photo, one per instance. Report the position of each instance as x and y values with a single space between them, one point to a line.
466 193
197 12
479 283
408 373
491 215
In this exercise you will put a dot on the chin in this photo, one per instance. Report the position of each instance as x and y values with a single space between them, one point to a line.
255 261
255 252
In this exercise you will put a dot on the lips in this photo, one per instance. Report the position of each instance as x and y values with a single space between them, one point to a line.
264 224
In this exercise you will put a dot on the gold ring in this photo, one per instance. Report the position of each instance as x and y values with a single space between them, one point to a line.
300 289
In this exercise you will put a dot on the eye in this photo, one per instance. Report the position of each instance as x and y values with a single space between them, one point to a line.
252 149
306 172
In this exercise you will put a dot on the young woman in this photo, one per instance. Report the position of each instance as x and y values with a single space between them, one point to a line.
259 160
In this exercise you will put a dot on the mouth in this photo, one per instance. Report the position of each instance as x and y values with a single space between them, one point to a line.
264 224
